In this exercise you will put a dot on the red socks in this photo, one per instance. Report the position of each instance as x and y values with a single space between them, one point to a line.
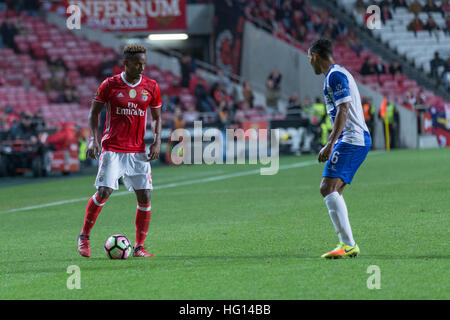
143 214
94 206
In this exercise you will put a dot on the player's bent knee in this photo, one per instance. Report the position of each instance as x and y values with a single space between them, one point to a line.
104 192
325 189
143 196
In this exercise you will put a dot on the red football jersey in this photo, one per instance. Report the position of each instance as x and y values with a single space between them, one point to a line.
126 112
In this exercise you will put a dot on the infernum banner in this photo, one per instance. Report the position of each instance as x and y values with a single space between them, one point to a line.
130 15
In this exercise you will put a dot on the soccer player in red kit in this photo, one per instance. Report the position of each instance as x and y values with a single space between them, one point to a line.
126 97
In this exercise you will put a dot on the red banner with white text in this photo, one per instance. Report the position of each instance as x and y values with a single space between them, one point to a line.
129 15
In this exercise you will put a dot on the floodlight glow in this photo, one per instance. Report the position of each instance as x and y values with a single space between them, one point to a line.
168 36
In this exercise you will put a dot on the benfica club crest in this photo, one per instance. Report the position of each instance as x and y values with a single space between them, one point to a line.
144 94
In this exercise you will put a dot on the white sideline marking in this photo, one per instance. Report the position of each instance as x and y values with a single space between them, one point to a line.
164 186
176 184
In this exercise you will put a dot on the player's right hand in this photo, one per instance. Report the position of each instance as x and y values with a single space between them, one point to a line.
93 149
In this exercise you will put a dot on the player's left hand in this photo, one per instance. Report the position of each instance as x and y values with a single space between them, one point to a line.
325 153
154 151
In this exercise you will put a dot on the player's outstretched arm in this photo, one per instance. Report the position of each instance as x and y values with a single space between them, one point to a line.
93 148
156 145
338 126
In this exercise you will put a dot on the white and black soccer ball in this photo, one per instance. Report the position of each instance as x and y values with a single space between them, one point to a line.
117 247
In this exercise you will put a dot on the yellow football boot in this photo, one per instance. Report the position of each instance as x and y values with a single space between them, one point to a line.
341 251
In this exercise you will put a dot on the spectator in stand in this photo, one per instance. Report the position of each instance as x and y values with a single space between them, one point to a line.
436 63
218 93
400 4
10 4
8 31
38 120
447 25
178 121
294 102
194 79
431 25
416 24
435 66
63 137
446 76
332 28
385 3
306 105
275 76
369 114
204 100
415 7
432 7
355 45
106 68
70 95
389 113
395 68
410 98
300 33
4 125
272 95
26 130
286 14
445 6
187 67
294 110
280 29
224 82
367 68
421 97
118 67
11 118
380 67
56 82
224 116
32 7
191 115
385 14
361 7
170 103
248 95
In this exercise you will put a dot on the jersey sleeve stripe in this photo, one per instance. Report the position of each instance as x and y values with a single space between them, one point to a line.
156 107
343 100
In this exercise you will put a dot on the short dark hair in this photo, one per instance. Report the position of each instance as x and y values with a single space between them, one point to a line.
323 47
132 49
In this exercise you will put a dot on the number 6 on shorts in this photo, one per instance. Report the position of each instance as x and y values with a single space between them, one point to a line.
334 157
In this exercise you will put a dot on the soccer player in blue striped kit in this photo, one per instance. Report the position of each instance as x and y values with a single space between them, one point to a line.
348 143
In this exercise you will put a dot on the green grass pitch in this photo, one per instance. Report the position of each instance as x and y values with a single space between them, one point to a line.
239 236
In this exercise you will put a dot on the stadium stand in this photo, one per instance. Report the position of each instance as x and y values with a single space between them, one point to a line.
45 70
43 58
418 44
287 19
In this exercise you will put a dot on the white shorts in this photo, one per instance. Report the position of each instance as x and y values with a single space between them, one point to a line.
133 167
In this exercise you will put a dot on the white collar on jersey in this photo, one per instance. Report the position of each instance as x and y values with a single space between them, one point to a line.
131 85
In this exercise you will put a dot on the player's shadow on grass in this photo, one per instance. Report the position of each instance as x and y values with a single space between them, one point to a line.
243 257
98 263
405 257
91 264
